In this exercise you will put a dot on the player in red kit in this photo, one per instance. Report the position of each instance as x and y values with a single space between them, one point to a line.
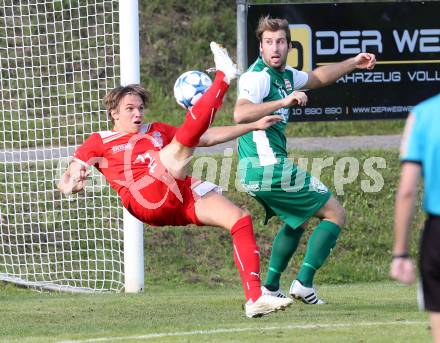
147 165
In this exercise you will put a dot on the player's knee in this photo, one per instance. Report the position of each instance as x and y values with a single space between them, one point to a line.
341 216
337 215
242 213
237 215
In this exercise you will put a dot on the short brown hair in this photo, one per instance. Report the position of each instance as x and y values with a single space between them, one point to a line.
272 24
114 97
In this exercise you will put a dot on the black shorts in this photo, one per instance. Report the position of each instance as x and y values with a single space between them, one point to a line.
430 263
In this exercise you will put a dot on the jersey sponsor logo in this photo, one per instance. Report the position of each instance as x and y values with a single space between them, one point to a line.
249 188
121 147
284 112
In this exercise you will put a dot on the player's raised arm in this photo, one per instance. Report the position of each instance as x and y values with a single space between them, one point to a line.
73 179
221 134
326 75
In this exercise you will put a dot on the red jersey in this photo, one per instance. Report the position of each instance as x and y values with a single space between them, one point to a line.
124 158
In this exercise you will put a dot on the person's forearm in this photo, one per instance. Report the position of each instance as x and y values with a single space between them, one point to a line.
249 112
221 134
329 74
402 221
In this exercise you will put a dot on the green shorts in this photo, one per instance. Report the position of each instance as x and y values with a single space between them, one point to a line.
285 191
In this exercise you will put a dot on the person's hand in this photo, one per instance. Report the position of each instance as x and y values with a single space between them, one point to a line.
403 270
295 98
365 61
73 182
267 121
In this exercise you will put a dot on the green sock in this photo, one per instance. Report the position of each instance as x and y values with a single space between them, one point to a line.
319 246
284 245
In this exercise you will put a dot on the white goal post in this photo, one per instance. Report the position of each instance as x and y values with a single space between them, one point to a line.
58 58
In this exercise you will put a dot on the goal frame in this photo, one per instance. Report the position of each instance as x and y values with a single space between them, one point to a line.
130 73
133 238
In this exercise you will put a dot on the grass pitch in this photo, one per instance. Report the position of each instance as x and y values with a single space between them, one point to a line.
373 312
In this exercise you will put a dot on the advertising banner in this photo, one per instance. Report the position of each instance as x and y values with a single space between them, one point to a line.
404 36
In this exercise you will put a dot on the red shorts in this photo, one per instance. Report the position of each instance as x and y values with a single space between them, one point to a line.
158 204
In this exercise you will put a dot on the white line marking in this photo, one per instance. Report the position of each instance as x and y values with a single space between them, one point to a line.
232 330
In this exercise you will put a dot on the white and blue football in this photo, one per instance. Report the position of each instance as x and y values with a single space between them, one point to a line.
190 86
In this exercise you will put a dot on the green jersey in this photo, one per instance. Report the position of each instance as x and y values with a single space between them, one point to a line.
262 84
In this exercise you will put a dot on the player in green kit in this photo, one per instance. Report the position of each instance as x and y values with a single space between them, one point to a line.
270 87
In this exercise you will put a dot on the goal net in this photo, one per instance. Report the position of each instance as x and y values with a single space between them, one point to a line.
58 58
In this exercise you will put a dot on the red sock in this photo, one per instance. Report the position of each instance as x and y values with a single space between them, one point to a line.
201 115
247 257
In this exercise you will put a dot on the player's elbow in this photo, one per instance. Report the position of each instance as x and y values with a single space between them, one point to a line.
239 116
243 111
206 140
238 119
406 193
316 80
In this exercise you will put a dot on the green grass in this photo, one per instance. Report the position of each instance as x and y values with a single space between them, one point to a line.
192 283
370 312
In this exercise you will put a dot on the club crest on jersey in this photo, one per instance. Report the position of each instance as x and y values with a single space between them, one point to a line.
288 85
121 147
157 139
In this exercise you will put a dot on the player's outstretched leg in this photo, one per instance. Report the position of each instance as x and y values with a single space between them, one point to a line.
201 115
246 252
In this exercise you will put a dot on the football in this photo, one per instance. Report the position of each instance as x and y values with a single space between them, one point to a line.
190 86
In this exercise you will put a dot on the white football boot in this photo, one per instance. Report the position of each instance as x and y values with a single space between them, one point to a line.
223 62
279 293
266 304
307 295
